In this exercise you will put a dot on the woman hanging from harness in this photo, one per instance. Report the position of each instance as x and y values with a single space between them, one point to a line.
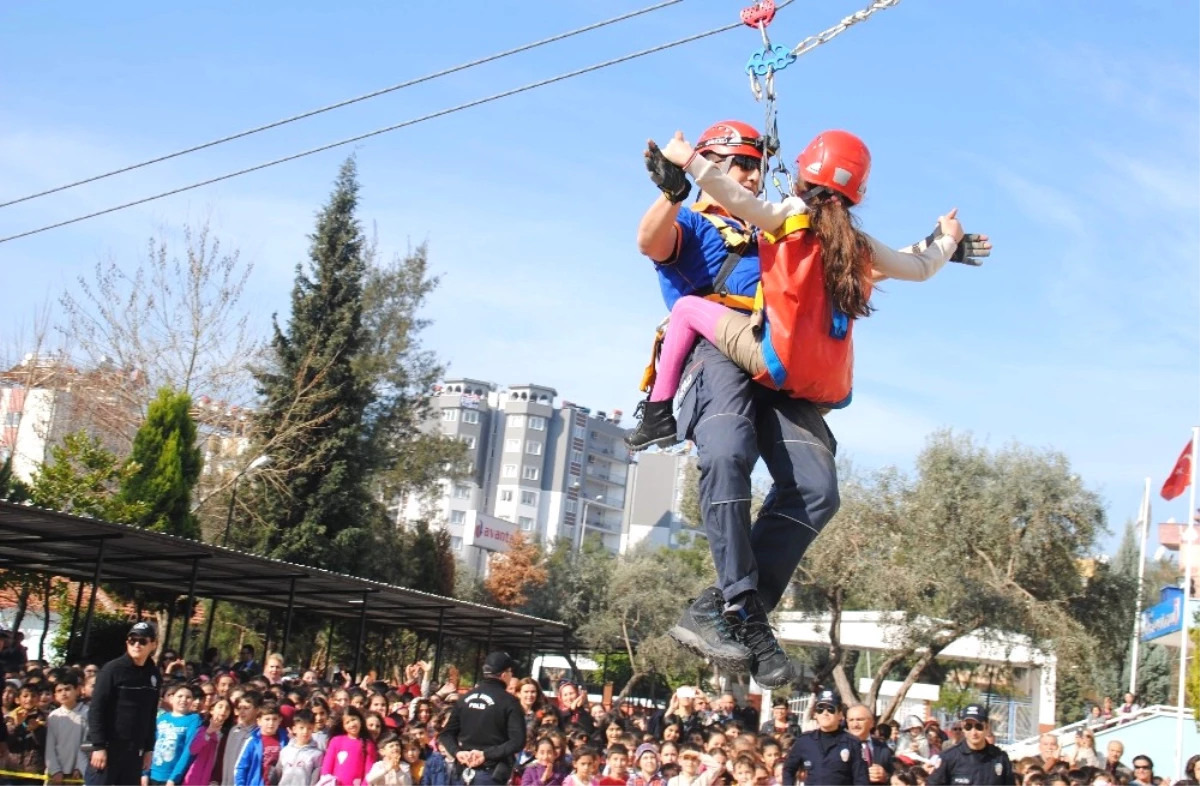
817 273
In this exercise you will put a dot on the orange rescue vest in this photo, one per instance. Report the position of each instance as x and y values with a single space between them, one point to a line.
808 344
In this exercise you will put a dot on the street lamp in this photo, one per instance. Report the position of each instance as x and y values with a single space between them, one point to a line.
582 524
257 464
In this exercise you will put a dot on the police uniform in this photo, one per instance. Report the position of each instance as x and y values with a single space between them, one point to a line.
962 765
488 719
122 713
829 758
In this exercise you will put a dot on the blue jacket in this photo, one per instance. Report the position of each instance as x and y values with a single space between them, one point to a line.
250 763
435 772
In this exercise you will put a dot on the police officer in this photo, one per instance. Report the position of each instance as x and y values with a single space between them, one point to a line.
121 716
828 754
974 760
487 726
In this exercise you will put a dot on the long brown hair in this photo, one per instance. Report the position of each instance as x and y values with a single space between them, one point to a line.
844 250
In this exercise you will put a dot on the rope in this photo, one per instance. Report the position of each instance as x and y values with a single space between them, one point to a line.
348 101
377 132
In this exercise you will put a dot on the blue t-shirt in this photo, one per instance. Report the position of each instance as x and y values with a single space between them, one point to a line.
701 254
172 739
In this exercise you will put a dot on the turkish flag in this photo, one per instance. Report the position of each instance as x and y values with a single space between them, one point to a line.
1180 477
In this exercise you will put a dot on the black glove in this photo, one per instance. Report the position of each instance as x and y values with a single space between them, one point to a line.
970 249
670 179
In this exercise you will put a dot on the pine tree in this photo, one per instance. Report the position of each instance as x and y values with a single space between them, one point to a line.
84 478
11 487
315 397
166 467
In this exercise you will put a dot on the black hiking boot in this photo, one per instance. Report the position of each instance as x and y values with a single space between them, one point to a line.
704 631
656 426
771 667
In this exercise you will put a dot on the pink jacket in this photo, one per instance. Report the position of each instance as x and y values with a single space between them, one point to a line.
204 749
348 759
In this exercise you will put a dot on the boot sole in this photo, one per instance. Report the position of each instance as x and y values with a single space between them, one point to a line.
793 675
695 645
662 442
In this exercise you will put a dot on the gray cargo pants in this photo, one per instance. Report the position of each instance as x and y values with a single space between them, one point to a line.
733 421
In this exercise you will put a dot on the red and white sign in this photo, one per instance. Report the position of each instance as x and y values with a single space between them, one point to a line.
488 532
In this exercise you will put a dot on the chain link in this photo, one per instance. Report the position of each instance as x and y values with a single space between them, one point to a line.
825 36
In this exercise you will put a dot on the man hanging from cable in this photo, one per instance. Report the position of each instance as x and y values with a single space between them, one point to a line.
733 421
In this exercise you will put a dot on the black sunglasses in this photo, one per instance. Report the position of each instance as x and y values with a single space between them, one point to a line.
972 726
825 709
139 640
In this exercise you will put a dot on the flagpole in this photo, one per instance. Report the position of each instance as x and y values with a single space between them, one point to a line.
1144 520
1187 538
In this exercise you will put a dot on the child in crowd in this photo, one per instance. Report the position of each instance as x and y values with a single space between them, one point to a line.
350 754
245 707
65 730
27 733
646 761
689 768
206 743
585 764
173 737
260 754
617 771
300 760
545 770
390 769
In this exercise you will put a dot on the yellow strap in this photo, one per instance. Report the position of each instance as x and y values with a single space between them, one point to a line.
651 372
758 297
790 224
734 239
739 302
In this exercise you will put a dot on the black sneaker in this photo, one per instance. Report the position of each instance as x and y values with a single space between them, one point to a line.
771 667
656 425
704 630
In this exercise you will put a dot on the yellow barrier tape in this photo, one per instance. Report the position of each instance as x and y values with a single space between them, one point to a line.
43 777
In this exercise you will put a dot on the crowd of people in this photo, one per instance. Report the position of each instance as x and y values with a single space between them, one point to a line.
138 721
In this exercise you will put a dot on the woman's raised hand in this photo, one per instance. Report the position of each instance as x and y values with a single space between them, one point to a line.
949 224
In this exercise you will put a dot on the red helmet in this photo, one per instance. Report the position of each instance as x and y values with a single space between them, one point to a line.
839 161
731 138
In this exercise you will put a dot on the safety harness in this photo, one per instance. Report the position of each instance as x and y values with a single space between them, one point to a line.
737 243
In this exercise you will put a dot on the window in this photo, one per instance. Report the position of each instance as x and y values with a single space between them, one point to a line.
12 419
577 456
470 416
506 496
531 473
571 506
525 522
533 448
455 543
537 423
510 470
528 497
462 491
579 432
469 442
458 516
516 421
449 415
512 446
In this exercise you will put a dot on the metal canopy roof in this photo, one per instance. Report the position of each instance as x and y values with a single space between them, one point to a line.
49 542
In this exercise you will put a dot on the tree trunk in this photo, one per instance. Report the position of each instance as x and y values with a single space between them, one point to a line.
923 661
22 606
837 653
881 674
633 680
46 626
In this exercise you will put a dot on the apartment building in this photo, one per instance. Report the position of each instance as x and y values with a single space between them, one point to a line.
553 468
654 497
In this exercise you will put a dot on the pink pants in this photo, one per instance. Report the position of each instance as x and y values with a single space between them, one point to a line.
691 317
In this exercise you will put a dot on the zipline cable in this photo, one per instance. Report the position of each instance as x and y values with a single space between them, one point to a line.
349 101
377 132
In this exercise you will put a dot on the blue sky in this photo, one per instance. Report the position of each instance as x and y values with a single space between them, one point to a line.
1068 130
